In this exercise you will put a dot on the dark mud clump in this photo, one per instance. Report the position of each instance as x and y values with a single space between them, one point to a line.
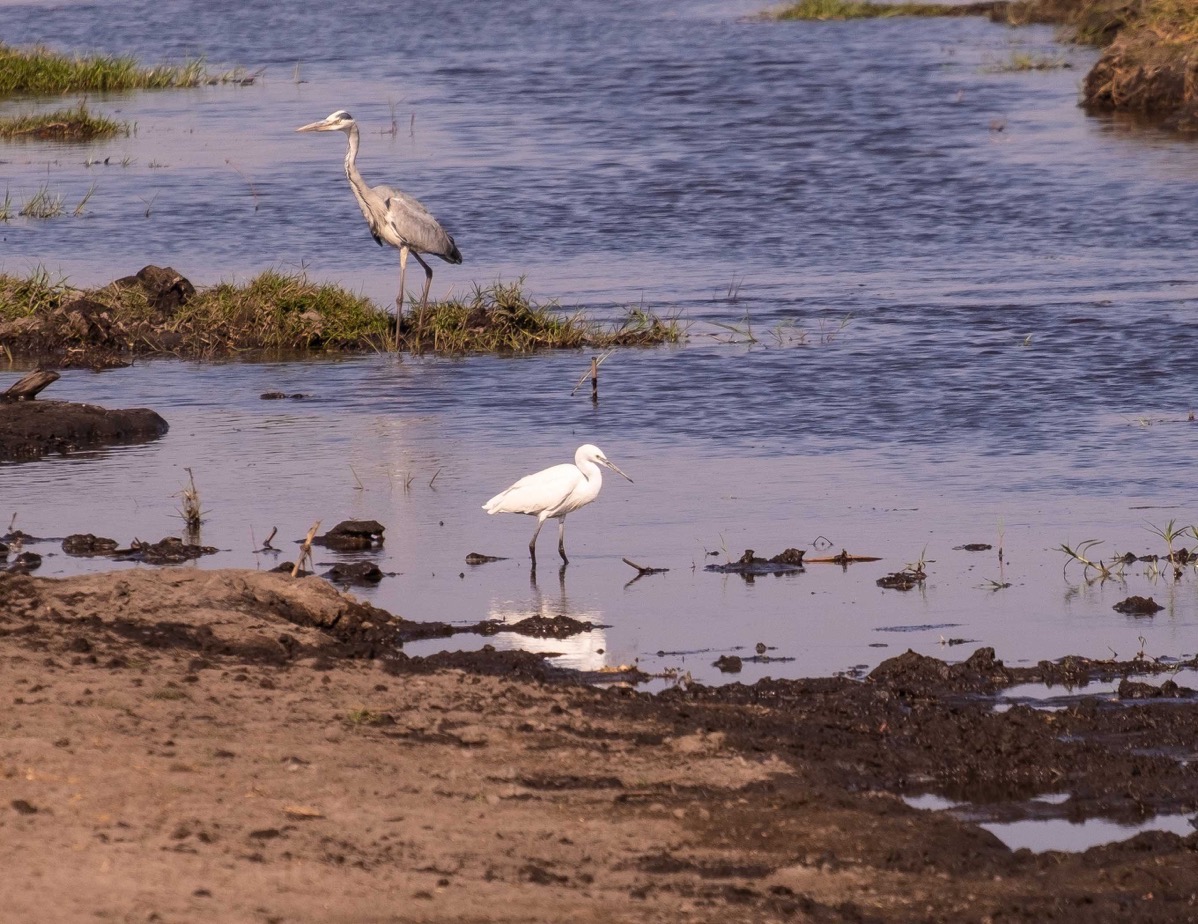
559 626
356 572
168 551
902 580
352 536
750 565
32 429
1138 606
85 545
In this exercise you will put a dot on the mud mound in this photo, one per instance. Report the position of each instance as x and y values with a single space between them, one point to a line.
32 429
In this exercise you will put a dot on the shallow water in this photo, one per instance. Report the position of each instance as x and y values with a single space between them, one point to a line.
971 303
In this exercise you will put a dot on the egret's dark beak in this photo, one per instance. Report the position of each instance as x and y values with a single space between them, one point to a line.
321 126
612 466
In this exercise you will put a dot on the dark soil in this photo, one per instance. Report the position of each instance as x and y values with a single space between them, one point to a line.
32 429
223 746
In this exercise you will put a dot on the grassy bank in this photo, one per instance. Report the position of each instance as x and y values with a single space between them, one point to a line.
38 70
277 312
77 124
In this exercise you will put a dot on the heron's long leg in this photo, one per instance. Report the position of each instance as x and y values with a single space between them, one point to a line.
561 539
428 281
403 268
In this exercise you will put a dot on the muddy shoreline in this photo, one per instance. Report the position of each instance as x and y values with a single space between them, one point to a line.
193 745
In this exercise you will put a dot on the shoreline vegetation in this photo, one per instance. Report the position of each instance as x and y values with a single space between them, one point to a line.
38 71
159 312
1149 58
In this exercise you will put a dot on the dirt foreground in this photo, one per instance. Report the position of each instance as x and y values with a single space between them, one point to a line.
186 745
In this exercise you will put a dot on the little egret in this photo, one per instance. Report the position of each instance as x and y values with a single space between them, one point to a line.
555 492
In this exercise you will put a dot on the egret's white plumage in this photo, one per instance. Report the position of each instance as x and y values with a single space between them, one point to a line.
394 217
555 492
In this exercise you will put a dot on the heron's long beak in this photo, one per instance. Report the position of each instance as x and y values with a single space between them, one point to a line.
321 126
612 465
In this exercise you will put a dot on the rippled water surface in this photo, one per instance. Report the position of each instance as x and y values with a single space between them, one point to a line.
929 303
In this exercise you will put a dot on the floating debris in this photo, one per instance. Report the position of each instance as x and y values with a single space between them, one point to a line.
844 558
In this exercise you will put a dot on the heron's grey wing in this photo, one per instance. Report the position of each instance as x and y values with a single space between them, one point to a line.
415 225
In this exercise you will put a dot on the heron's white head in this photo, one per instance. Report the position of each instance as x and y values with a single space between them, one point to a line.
592 453
339 121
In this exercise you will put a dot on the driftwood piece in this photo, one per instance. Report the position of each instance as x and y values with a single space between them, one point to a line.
27 387
642 569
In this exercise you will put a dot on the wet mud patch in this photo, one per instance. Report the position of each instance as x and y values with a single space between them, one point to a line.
779 800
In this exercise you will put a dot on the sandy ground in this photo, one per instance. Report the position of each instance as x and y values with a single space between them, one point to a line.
184 745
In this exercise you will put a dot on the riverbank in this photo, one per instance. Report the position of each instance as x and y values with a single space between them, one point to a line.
187 745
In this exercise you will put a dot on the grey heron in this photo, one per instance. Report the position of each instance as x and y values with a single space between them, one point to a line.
555 492
394 217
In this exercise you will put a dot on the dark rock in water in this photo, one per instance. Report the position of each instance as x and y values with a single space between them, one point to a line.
729 664
352 535
356 572
31 429
85 544
1138 606
973 547
166 290
749 564
478 558
25 562
168 551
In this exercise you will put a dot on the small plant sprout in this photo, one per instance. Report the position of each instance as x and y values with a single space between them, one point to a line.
1080 554
1170 533
79 209
919 567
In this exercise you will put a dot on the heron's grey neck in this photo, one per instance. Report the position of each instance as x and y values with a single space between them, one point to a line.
351 163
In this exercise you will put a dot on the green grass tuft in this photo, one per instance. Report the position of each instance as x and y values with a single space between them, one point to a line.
278 313
78 124
501 319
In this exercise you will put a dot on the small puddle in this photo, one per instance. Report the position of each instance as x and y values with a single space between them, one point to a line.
1055 697
1039 835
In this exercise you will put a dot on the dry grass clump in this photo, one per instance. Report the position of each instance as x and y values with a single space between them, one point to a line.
862 9
1150 63
78 124
38 70
501 319
159 312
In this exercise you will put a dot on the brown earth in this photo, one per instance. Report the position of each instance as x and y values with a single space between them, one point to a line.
186 745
